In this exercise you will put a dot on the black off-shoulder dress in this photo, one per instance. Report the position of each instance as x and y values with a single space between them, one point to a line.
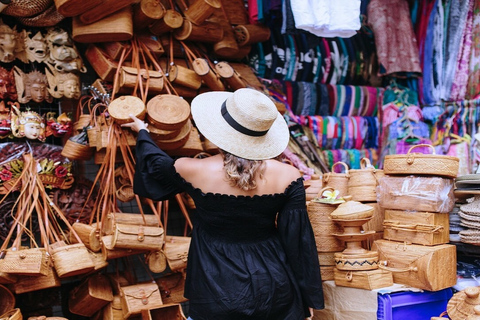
244 262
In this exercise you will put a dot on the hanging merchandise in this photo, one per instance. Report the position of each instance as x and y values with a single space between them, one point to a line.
327 19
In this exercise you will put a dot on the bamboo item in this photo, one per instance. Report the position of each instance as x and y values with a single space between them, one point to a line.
327 272
28 262
184 77
105 9
72 8
138 297
176 251
89 234
138 237
147 12
171 20
323 227
168 112
463 303
7 300
209 32
34 283
418 193
111 253
71 260
200 10
236 11
251 33
202 67
114 50
430 268
113 310
228 73
172 287
160 134
247 74
74 150
178 141
122 107
364 181
417 227
167 312
129 77
156 261
14 314
128 218
104 66
376 223
115 27
338 181
368 280
421 164
352 210
227 47
90 296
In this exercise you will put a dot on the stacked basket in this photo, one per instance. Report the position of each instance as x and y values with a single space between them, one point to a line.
417 196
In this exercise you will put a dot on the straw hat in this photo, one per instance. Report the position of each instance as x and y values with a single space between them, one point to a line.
245 123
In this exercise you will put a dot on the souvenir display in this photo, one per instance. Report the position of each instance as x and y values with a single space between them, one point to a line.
36 47
63 54
32 86
61 85
11 43
28 124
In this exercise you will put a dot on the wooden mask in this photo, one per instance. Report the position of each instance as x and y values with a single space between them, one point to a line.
27 124
32 86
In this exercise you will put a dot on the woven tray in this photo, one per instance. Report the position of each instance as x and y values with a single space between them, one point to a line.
422 164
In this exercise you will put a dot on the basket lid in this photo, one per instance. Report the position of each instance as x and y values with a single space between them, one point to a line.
121 108
352 210
168 111
463 302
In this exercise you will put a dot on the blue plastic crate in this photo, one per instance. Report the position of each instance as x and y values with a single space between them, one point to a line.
412 305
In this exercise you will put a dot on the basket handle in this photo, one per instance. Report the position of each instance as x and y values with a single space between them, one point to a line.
319 194
343 164
365 163
383 265
419 227
422 145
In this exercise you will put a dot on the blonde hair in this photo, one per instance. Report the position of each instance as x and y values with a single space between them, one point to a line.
242 172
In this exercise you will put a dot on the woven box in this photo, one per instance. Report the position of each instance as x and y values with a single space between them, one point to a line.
368 279
432 194
417 227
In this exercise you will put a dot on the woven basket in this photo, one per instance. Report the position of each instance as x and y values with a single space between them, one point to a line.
462 304
327 272
7 300
363 182
200 10
71 8
76 151
323 227
71 260
13 314
337 181
422 164
115 27
125 193
168 112
208 31
48 18
121 107
26 8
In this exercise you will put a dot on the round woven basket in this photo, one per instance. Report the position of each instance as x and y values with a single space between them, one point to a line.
168 112
356 262
76 151
7 300
122 107
161 134
364 181
12 314
178 141
462 304
337 181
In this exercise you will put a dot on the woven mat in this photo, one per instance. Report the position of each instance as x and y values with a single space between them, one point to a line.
470 236
472 208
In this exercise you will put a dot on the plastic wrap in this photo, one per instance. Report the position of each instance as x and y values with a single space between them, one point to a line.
430 194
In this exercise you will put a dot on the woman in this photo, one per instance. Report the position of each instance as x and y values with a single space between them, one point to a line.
253 253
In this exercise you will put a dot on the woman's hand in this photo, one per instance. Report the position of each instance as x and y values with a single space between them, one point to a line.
136 125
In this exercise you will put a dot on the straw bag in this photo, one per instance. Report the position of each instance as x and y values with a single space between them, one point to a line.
26 8
115 27
129 79
104 9
429 268
111 253
7 300
421 164
138 237
209 32
172 288
104 66
71 8
147 12
14 314
31 261
363 182
71 259
113 218
138 297
122 107
167 312
34 283
77 147
156 261
168 112
337 181
89 234
230 75
90 296
200 10
176 251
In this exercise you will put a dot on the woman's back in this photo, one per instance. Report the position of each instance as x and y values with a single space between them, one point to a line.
208 175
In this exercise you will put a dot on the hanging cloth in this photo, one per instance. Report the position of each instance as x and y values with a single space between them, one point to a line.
473 86
325 18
